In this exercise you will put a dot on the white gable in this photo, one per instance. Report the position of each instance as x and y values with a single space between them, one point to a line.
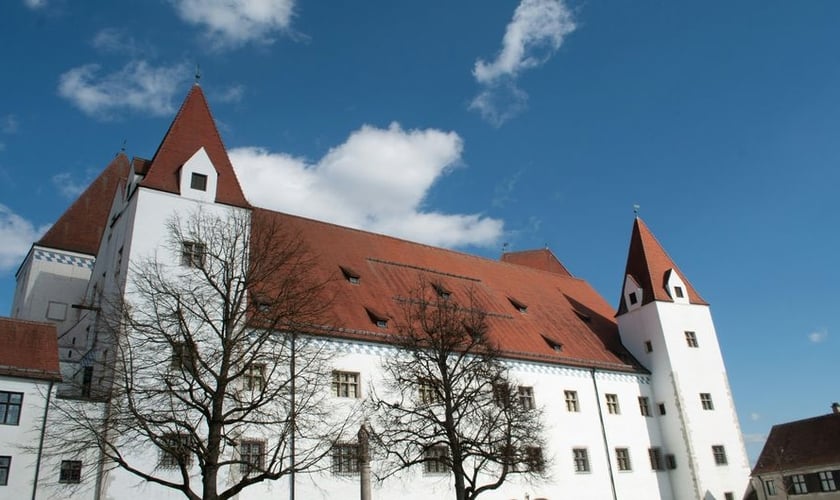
197 173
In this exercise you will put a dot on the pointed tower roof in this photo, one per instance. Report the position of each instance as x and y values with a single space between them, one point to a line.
542 259
649 264
192 129
80 227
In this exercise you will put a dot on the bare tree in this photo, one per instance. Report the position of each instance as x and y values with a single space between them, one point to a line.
213 371
449 405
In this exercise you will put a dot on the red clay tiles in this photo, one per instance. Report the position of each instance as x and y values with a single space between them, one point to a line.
28 349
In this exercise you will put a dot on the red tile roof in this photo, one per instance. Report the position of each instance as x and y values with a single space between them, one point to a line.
562 309
81 226
813 442
28 349
193 128
543 259
648 263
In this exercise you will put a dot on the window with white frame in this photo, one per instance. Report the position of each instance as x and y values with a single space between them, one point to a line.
581 459
175 450
435 460
612 404
691 339
526 397
622 459
70 472
572 401
252 456
644 406
345 458
799 484
10 406
427 392
827 481
345 384
706 401
719 453
255 377
192 254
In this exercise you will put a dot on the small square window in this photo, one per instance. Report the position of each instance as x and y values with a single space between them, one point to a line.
799 484
691 339
175 450
581 459
671 461
644 406
345 384
192 254
345 458
436 460
252 456
827 482
5 465
10 406
612 404
648 346
678 291
534 459
719 453
655 455
198 182
572 401
183 356
706 401
71 471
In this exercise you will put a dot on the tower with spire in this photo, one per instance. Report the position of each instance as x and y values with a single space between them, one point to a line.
665 323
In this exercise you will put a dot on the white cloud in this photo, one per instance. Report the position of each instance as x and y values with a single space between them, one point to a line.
536 31
376 180
138 86
232 23
754 438
755 416
35 4
234 93
8 124
67 186
17 235
818 336
115 40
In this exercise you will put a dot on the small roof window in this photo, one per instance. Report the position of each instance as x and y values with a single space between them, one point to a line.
518 305
350 275
556 346
582 315
377 317
442 291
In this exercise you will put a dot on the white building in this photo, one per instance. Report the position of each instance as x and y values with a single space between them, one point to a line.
636 403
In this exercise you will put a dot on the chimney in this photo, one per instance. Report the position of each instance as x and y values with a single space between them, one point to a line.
835 408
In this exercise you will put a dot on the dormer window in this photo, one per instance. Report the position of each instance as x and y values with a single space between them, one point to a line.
379 319
198 181
633 299
675 287
633 294
553 344
350 275
518 305
678 291
442 291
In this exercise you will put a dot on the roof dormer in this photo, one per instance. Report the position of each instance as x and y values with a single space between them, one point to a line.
633 294
675 287
198 178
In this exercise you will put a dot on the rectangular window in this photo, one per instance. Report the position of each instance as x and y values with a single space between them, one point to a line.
691 339
192 254
526 397
501 394
10 405
71 471
612 404
662 408
827 481
655 455
436 458
198 182
255 377
581 457
670 461
622 458
183 357
720 454
5 465
633 298
728 496
534 459
345 458
87 381
572 401
799 484
426 391
678 291
706 401
252 454
345 384
644 406
770 487
175 450
648 346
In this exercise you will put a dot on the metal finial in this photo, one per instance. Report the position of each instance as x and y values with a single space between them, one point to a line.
122 149
197 73
505 247
636 209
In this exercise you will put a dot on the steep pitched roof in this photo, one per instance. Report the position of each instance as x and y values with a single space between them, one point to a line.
812 442
561 310
28 349
193 128
543 259
648 263
80 227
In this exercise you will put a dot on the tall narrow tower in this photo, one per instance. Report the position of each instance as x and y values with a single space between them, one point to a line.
665 323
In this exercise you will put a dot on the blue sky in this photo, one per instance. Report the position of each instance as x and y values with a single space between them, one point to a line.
472 124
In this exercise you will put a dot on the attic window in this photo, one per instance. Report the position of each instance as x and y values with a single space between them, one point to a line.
556 346
350 275
582 315
678 291
633 298
198 182
377 317
519 306
442 291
